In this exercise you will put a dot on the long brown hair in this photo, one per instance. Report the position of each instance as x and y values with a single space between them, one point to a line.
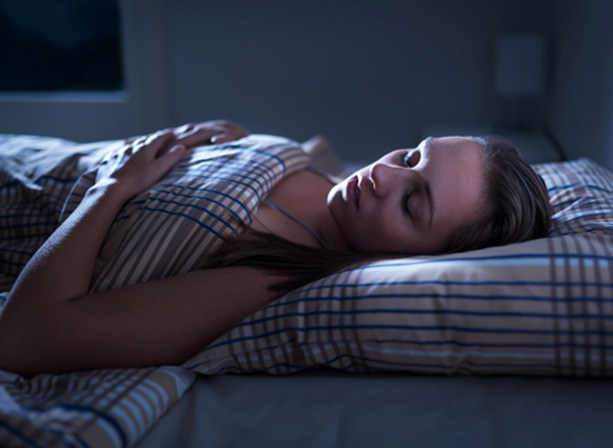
517 198
295 263
519 211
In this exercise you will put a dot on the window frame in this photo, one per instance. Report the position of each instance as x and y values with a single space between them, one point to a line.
141 106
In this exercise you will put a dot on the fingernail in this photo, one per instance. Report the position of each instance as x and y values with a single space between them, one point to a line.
217 137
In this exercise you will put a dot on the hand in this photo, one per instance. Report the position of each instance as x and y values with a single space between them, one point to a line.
141 162
208 132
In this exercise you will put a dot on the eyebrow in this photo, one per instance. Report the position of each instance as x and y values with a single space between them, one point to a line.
427 189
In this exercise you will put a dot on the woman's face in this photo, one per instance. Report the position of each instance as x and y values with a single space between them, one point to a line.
412 201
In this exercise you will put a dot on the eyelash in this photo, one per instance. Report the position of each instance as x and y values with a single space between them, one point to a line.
405 204
406 159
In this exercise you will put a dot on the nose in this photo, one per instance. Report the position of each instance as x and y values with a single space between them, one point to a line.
387 178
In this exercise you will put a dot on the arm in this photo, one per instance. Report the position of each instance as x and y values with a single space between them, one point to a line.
52 324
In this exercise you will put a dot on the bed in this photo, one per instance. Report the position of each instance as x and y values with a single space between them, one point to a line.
507 346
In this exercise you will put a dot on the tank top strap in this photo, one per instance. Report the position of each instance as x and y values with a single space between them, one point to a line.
302 224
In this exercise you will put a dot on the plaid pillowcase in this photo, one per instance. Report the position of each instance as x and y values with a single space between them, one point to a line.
544 307
581 194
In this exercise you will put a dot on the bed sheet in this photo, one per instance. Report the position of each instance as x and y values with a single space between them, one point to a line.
42 180
333 409
113 408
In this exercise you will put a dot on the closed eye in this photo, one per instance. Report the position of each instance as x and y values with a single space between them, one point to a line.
412 158
405 204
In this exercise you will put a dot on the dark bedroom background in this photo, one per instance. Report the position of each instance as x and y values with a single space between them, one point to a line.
368 75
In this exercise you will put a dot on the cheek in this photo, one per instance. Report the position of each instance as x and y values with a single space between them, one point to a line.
383 232
358 232
376 228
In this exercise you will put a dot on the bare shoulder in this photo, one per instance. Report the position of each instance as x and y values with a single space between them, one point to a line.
301 185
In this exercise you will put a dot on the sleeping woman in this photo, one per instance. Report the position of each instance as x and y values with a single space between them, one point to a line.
445 195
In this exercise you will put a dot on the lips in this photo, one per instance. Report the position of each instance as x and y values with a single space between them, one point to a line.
353 192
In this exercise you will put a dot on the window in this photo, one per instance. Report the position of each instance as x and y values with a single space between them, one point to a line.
60 45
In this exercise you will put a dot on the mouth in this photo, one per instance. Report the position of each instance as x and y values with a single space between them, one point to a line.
353 192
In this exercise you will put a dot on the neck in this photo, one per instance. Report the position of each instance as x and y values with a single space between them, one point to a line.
304 195
326 226
321 220
330 232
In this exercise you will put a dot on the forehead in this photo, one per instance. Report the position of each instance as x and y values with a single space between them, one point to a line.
455 169
457 144
454 153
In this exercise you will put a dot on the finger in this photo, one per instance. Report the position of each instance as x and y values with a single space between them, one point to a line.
225 125
191 128
168 160
234 129
134 139
156 143
222 138
184 128
157 137
198 136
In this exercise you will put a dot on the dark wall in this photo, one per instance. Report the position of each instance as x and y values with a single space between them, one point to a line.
581 108
369 75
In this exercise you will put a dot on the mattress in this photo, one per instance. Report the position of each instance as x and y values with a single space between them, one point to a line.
326 408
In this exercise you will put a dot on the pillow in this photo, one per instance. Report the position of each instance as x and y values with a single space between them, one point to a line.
581 195
542 307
